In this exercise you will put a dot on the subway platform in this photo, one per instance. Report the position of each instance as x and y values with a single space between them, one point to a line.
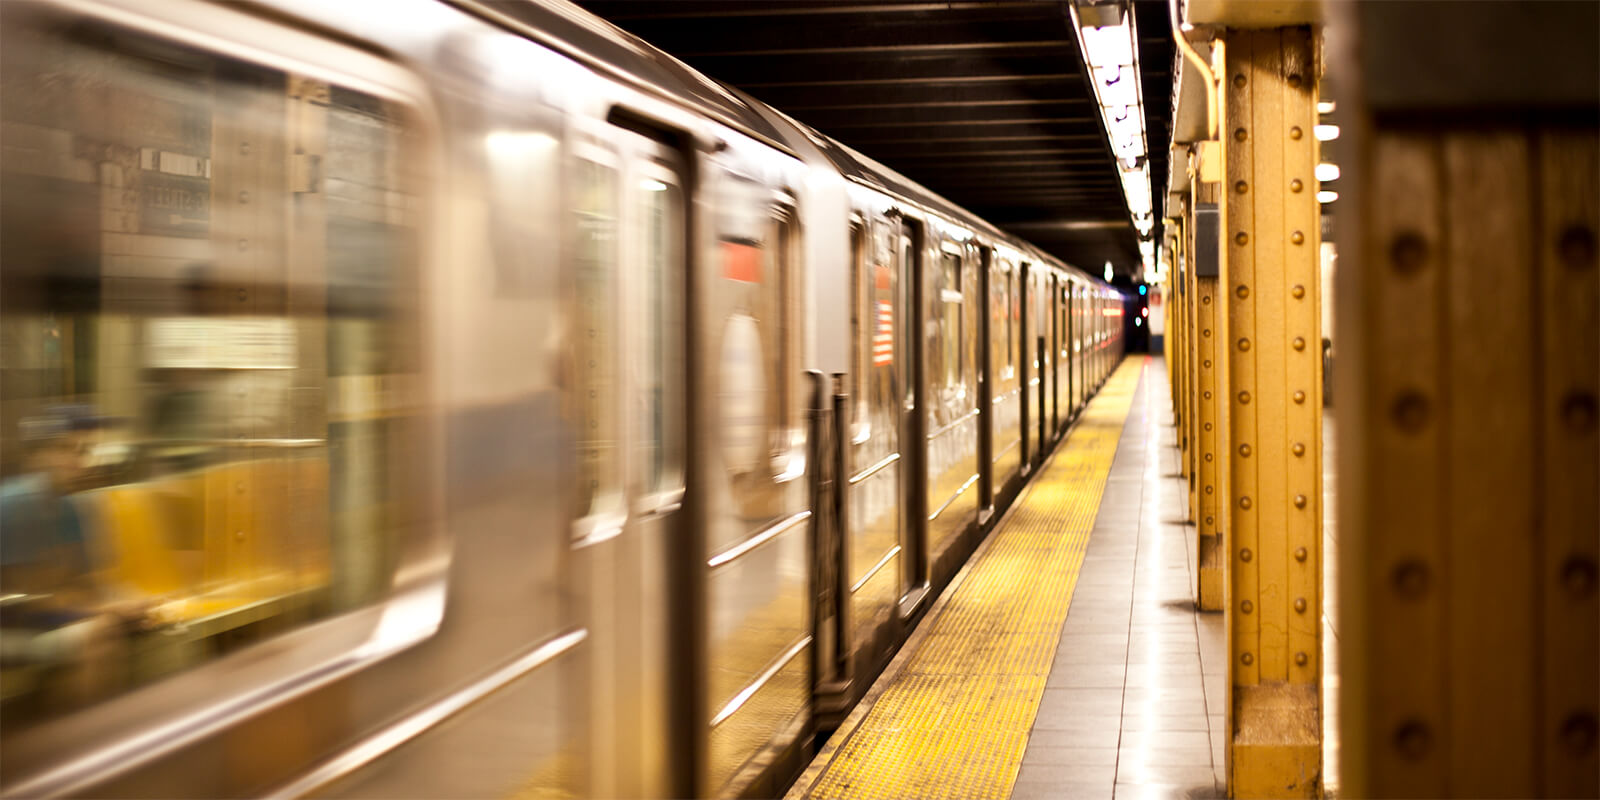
1068 658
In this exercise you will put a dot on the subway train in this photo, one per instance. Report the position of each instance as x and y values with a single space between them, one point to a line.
458 399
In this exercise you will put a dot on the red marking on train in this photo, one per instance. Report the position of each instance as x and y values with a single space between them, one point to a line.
883 336
741 262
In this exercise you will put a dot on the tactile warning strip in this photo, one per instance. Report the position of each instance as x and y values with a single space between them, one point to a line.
954 721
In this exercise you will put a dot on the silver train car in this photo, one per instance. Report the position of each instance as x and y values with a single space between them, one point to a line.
410 398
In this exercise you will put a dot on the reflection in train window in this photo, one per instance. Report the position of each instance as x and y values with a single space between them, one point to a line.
952 322
660 330
208 358
756 393
594 200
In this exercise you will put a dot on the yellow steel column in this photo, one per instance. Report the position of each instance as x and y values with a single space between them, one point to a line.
1273 436
1470 516
1189 407
1209 486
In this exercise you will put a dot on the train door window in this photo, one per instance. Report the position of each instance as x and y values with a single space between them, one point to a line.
211 355
658 201
595 396
754 353
952 328
860 326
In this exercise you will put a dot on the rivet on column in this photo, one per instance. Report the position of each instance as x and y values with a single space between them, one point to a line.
1244 397
1295 133
1207 394
1297 238
1300 554
1244 344
1242 292
1298 291
1299 397
1241 238
1413 740
1244 450
1238 81
1245 555
1247 607
1244 502
1298 449
1247 659
1208 426
1299 501
1300 659
1295 186
1410 411
1240 135
1300 605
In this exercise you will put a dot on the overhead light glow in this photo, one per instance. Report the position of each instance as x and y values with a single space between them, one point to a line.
1325 107
1326 196
1108 272
652 185
1327 172
1108 46
1325 133
1110 54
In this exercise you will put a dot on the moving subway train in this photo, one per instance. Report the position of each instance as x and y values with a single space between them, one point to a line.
413 398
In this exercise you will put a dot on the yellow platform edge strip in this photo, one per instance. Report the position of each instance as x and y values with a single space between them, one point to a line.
953 721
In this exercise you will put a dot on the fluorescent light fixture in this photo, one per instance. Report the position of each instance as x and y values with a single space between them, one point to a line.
1325 107
1327 172
1111 54
1326 196
650 185
1109 273
1325 133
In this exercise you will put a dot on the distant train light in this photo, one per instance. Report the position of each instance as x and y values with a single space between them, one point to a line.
1143 290
1137 322
1144 312
1111 312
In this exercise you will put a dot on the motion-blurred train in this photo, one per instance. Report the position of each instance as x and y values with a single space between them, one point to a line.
451 399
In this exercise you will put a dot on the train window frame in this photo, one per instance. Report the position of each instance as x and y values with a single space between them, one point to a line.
600 522
129 730
667 492
955 374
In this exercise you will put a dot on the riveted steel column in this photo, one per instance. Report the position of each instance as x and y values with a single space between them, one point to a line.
1211 461
1469 455
1189 406
1273 435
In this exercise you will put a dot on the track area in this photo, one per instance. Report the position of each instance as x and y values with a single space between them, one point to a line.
951 718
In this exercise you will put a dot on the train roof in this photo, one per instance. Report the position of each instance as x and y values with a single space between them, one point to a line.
602 46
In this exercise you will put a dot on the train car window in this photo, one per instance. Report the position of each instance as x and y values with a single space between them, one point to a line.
952 328
859 299
755 353
209 357
661 371
594 198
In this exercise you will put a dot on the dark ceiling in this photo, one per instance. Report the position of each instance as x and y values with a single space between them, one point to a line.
985 103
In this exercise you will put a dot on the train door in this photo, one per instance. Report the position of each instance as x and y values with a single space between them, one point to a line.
1055 354
1069 362
914 421
631 312
985 381
1026 369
